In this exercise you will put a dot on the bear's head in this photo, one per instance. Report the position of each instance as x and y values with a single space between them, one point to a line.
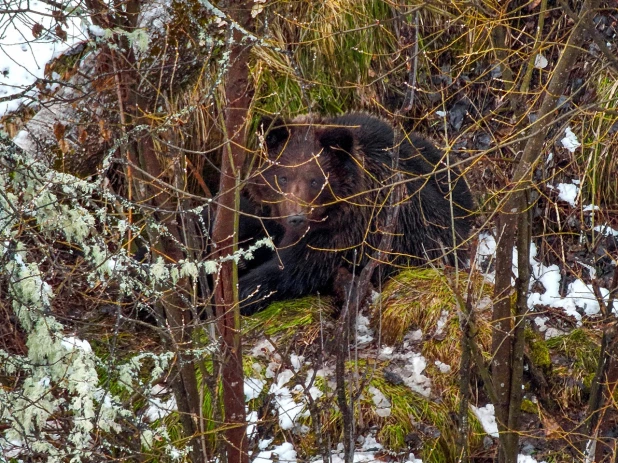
308 168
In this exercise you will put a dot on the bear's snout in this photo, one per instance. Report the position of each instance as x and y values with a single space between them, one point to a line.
297 220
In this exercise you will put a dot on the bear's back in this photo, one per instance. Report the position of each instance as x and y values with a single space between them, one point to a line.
418 157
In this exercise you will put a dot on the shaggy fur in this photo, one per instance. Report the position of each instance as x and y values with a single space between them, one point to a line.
325 183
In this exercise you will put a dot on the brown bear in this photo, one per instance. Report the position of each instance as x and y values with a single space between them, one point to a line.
324 186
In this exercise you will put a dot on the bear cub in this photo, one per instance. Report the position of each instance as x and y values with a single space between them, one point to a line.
323 187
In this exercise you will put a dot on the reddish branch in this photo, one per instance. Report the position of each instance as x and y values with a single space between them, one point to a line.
237 97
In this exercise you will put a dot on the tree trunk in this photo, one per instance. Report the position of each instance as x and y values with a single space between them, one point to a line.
506 344
236 100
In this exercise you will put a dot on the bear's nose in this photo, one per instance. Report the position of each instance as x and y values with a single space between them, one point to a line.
297 220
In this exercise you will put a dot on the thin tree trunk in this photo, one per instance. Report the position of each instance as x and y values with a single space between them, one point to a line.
504 333
237 99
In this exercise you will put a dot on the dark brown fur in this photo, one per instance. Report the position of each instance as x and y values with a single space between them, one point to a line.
327 182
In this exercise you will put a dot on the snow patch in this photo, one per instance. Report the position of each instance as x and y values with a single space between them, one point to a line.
383 405
579 294
364 334
23 56
297 361
570 141
540 62
281 453
253 388
606 230
443 367
527 459
441 323
486 415
71 344
567 192
288 410
158 408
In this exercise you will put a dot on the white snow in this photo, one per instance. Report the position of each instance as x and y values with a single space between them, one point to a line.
264 348
288 410
297 361
412 373
568 192
527 459
157 407
265 443
540 62
367 457
441 323
70 343
570 140
486 248
365 452
485 254
96 31
443 367
383 405
486 415
281 453
314 392
252 419
253 388
579 294
23 56
606 230
364 334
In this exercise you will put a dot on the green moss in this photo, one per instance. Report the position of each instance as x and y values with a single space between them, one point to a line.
529 406
539 351
571 377
286 318
579 345
414 298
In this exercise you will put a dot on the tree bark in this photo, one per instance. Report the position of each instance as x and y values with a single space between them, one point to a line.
236 100
505 326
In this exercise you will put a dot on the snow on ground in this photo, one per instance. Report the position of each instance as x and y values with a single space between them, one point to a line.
606 230
410 370
578 295
281 453
486 415
290 390
158 408
570 141
22 56
253 388
364 334
288 408
71 343
288 399
567 192
365 452
383 405
527 459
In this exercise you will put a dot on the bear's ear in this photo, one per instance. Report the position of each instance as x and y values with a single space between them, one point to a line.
276 132
337 139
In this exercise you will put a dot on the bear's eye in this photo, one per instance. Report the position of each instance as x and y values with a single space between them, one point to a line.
282 180
315 183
